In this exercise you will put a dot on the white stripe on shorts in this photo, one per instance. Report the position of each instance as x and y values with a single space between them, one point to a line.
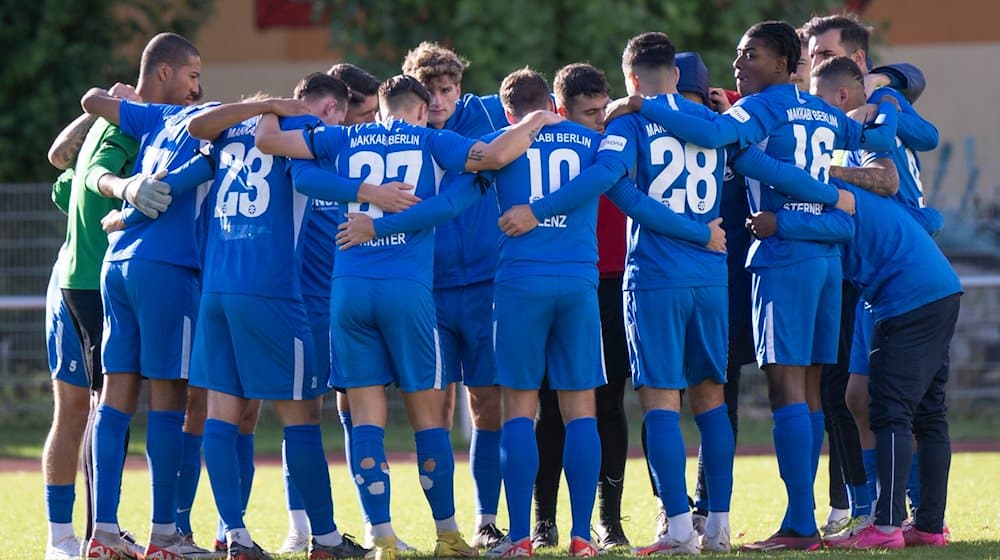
298 371
769 333
186 348
438 378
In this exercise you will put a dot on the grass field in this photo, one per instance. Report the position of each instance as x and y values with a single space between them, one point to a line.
756 509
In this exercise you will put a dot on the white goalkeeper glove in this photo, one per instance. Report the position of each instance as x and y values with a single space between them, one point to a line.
149 195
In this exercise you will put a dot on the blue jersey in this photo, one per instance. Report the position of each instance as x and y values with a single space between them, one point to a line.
684 177
392 151
465 247
164 144
563 244
255 219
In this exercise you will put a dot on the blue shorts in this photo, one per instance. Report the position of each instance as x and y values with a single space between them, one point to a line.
464 320
796 312
677 337
318 311
861 344
550 326
385 332
149 317
65 352
256 348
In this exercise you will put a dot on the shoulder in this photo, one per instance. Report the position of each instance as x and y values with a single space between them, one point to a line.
294 123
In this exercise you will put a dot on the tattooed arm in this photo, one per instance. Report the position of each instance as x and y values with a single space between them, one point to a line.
62 153
511 144
878 176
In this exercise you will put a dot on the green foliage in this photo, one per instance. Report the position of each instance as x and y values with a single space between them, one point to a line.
502 36
54 50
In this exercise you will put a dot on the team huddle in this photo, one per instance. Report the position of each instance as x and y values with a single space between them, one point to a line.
365 233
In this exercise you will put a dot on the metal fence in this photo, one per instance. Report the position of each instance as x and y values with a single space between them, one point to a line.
32 229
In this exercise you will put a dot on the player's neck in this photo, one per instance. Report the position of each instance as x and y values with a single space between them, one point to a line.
660 89
148 92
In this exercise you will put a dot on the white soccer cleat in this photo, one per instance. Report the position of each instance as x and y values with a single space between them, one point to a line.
67 548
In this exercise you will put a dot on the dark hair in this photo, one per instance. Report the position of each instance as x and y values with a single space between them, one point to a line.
578 79
523 91
166 48
649 50
781 38
401 89
319 84
430 60
361 83
841 68
853 34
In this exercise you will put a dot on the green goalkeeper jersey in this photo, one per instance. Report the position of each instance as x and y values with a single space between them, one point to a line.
105 150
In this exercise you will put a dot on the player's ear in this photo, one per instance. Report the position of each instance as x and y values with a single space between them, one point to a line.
510 117
562 112
163 71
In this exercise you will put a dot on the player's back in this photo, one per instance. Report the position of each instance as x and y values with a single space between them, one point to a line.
686 178
255 218
563 245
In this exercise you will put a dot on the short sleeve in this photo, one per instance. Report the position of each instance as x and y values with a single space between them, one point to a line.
136 119
325 142
450 150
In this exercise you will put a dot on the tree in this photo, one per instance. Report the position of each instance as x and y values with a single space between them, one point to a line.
54 50
502 36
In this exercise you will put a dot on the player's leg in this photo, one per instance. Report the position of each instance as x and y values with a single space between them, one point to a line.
612 425
190 469
859 403
550 433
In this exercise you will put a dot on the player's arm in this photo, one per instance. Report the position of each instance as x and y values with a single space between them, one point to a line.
929 218
877 134
660 219
916 132
66 146
311 180
112 159
61 190
737 125
196 171
209 124
832 226
461 192
298 144
504 148
876 174
788 179
905 78
107 103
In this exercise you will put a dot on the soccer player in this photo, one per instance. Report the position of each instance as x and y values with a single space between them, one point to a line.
465 256
581 93
914 295
794 325
318 249
381 304
150 293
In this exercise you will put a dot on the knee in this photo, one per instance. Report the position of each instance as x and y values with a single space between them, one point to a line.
931 427
484 405
857 401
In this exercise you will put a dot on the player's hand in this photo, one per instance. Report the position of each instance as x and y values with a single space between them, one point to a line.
864 113
890 99
358 229
124 91
718 101
622 106
845 201
518 220
875 81
113 221
394 196
762 224
149 195
287 107
717 240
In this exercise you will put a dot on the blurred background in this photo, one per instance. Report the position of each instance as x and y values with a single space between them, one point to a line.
53 50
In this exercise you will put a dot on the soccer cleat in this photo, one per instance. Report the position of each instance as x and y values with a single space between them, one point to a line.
170 551
67 548
698 521
846 530
487 536
108 549
785 539
510 549
669 545
545 535
868 536
221 546
836 526
582 548
719 542
135 547
450 544
662 524
189 549
294 542
348 548
384 548
238 551
915 537
611 535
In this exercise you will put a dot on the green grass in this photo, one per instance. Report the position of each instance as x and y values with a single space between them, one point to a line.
756 509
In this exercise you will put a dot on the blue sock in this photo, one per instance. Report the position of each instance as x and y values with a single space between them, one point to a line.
224 471
310 472
817 420
187 481
371 468
869 458
519 465
793 447
59 502
293 499
666 456
436 467
484 461
110 426
718 448
244 455
913 483
861 500
348 424
582 465
163 438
